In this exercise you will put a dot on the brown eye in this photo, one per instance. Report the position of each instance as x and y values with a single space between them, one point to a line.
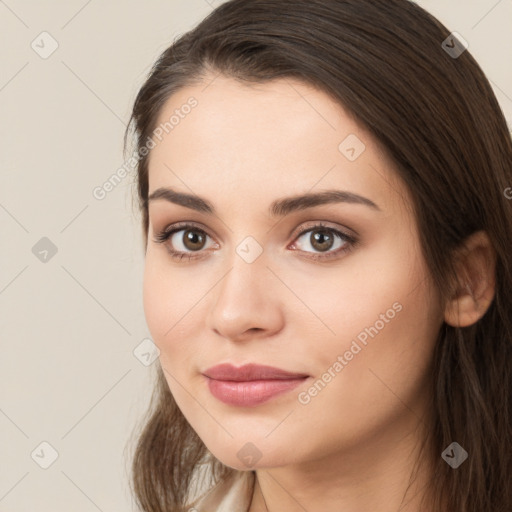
189 242
182 241
193 239
321 240
324 241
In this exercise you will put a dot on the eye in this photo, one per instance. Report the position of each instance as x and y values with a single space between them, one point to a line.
185 239
192 239
323 239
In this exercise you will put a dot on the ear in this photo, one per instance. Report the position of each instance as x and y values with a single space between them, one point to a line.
475 262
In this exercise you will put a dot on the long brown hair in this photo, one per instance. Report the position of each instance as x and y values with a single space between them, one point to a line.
435 114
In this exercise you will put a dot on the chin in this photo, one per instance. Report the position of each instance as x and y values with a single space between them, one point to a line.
245 455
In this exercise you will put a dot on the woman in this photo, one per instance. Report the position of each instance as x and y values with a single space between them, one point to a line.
323 187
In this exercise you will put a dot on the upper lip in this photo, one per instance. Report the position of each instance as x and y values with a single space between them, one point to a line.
249 372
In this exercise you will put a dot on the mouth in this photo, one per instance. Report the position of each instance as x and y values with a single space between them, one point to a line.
250 385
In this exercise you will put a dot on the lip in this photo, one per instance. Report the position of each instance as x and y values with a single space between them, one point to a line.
250 384
249 372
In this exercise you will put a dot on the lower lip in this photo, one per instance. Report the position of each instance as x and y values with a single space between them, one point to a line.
250 393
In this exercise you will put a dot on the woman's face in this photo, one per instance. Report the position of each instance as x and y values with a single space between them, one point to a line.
347 305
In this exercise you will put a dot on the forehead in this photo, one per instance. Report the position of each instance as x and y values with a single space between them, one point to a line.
272 139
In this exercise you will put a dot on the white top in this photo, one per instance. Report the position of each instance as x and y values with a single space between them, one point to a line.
232 494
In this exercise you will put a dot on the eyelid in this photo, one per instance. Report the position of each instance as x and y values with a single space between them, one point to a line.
306 226
349 232
171 229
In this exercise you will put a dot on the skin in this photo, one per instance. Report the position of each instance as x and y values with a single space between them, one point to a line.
352 447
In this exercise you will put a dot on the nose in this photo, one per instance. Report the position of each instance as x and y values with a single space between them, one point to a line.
246 303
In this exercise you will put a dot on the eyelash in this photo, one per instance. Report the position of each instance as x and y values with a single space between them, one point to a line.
167 232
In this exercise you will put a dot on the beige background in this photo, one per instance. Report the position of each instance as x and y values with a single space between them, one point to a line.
69 325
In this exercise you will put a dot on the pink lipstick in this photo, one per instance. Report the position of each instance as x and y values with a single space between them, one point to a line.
250 384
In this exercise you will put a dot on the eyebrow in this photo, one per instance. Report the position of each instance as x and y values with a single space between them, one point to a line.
278 208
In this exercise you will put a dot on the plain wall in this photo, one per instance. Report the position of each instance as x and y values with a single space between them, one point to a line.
69 324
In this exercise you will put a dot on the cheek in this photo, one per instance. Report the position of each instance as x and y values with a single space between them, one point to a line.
165 310
386 320
155 300
173 301
368 292
379 314
166 299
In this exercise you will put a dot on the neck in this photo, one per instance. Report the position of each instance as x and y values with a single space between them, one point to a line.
378 474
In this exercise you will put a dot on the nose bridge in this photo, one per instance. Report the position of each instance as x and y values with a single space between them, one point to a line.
245 298
245 277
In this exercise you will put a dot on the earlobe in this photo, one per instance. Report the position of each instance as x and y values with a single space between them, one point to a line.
475 264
